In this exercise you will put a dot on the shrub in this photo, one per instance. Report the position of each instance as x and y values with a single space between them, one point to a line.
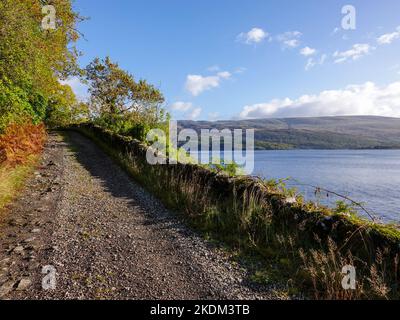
17 104
14 104
19 141
139 131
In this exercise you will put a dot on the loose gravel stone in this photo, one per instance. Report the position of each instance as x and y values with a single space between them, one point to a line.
6 288
24 284
102 236
18 250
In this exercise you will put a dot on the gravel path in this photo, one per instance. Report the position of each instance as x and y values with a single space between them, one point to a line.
106 237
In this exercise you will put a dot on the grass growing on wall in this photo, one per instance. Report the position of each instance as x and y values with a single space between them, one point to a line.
301 243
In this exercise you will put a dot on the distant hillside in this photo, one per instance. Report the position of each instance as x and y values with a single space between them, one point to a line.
347 132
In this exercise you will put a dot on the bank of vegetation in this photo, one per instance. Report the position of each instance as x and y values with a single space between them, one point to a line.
33 64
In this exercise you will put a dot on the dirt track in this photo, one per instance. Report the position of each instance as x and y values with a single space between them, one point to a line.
106 237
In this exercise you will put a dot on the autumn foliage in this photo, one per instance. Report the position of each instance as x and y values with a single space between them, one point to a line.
20 141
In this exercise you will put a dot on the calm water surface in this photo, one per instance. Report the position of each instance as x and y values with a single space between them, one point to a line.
368 176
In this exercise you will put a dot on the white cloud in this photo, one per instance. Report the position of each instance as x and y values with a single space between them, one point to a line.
388 38
80 89
196 84
181 106
312 62
224 74
290 39
191 112
292 43
357 51
194 114
307 51
364 99
255 35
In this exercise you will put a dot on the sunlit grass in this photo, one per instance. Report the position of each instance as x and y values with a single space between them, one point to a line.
12 179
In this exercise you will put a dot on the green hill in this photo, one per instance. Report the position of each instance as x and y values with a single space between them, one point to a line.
345 132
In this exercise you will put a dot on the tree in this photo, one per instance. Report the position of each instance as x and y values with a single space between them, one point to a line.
32 56
64 109
33 60
119 102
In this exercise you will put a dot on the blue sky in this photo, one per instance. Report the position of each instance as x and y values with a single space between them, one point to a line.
252 59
